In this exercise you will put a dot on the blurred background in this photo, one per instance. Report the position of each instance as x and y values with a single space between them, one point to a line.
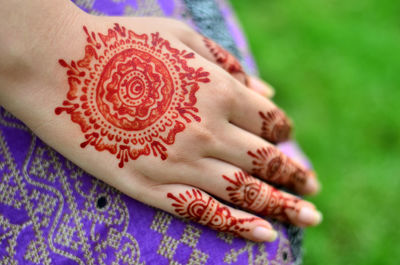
336 69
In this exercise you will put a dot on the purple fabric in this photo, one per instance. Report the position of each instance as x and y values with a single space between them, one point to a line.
51 212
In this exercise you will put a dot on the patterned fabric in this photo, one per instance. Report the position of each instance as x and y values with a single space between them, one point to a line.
52 212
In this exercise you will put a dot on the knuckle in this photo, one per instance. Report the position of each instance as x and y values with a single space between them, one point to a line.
180 28
203 135
174 27
224 93
176 155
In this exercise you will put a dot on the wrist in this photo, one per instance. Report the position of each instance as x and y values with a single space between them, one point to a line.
31 34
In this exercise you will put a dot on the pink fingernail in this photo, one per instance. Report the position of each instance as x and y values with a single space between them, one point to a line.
312 186
258 86
264 234
310 216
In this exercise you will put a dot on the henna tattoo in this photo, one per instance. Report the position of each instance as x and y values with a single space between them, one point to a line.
251 193
271 165
210 212
275 126
131 93
225 59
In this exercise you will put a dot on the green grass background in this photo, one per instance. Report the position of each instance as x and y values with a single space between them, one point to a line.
336 68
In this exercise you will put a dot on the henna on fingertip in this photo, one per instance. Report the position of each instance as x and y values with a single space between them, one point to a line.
272 165
275 127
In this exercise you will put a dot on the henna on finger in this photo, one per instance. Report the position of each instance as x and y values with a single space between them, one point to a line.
225 59
204 209
131 93
252 194
271 165
275 126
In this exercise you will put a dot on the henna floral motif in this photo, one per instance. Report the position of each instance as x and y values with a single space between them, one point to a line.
226 60
275 126
271 165
210 212
250 193
131 93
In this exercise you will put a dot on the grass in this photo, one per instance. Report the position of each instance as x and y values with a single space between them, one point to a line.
336 68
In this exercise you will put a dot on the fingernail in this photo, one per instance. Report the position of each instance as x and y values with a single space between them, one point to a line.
312 186
264 234
310 216
258 86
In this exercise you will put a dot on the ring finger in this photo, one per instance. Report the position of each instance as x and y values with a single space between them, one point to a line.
255 155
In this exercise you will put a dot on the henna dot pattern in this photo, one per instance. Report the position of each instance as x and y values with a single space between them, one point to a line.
225 59
271 165
275 126
250 193
131 93
204 209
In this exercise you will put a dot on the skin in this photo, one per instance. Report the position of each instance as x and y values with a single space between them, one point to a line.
152 108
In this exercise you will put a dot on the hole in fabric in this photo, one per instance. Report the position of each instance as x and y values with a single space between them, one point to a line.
101 202
284 255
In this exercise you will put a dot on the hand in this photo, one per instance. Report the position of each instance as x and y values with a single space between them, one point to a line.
164 115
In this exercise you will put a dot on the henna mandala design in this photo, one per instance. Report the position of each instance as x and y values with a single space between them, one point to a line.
271 165
193 206
131 93
250 193
227 61
275 126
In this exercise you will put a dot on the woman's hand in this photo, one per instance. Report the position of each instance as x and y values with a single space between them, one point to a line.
162 114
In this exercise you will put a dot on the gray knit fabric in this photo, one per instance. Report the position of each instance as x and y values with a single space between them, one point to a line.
209 21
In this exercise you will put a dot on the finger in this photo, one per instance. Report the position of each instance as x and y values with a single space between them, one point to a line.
259 115
193 204
261 87
249 192
223 58
252 154
272 165
213 52
242 189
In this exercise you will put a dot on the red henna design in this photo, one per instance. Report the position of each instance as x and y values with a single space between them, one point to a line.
131 93
275 126
227 61
271 165
251 193
210 212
